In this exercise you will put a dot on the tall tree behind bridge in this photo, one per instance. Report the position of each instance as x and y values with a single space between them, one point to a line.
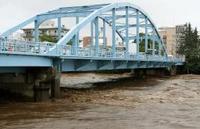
189 45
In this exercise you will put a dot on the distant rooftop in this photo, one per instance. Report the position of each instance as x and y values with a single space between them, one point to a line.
47 25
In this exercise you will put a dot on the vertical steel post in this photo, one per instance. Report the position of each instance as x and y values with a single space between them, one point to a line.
92 37
127 31
59 28
113 32
146 35
153 42
104 34
137 32
77 38
96 36
159 42
36 30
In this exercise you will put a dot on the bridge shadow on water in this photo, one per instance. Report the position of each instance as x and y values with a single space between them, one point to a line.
123 83
9 97
129 83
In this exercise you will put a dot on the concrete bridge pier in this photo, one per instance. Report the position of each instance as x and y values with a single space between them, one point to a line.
41 91
35 84
171 70
140 73
48 85
55 85
55 80
41 83
47 82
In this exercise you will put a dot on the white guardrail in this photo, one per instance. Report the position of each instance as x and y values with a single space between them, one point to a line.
38 48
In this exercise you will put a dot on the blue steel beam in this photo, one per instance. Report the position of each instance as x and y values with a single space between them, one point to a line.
110 24
89 18
137 32
104 35
18 27
133 25
59 28
153 43
91 15
113 33
24 61
36 30
146 35
72 65
93 62
77 38
127 30
74 8
121 16
96 36
56 15
92 34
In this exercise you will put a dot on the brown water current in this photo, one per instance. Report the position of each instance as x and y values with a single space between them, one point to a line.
153 103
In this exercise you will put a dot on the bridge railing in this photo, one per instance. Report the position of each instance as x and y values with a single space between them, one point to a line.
105 53
44 49
24 47
178 58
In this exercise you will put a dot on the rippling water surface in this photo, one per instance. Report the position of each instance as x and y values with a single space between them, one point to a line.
159 103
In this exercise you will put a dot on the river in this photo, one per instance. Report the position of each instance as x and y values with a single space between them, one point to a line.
125 103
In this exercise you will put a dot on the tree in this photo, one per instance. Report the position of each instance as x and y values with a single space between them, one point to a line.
48 38
189 45
142 43
70 43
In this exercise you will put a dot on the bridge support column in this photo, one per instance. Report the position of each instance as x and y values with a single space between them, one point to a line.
140 73
41 83
171 70
55 86
47 82
41 91
55 81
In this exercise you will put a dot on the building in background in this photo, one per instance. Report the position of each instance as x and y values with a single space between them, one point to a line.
87 41
47 28
171 37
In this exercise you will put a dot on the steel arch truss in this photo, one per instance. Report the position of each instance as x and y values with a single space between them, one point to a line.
128 21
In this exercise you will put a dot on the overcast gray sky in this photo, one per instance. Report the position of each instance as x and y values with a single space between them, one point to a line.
163 12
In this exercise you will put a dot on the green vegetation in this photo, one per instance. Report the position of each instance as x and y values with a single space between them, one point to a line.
70 43
150 44
48 38
189 45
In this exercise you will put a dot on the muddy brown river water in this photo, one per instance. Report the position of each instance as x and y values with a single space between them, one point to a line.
153 103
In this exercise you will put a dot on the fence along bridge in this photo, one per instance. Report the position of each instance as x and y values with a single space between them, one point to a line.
126 21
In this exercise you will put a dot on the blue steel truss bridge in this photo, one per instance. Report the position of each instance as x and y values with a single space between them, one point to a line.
124 24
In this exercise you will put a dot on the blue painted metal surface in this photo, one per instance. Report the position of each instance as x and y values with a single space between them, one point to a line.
117 16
